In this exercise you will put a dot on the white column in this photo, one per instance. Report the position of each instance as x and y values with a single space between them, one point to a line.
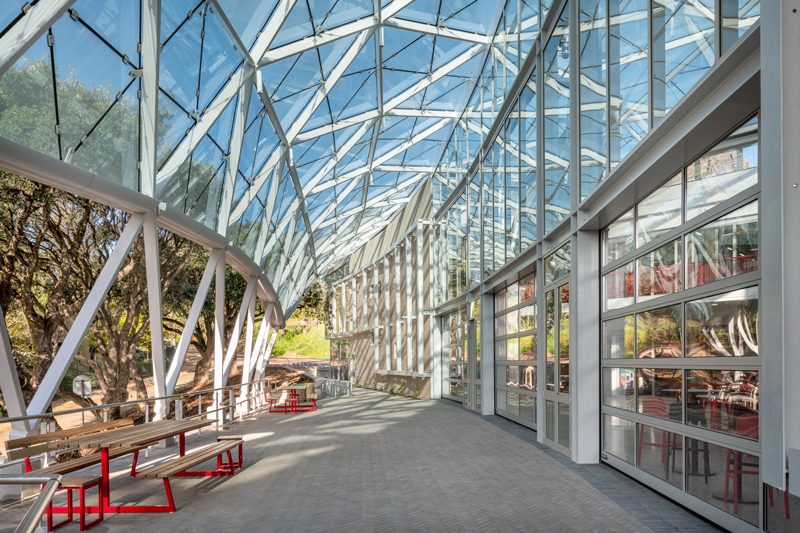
353 299
153 268
387 311
219 331
248 350
334 310
191 321
364 300
148 111
419 272
80 327
408 282
398 310
9 384
249 294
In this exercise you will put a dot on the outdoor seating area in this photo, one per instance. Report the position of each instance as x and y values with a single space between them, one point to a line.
292 398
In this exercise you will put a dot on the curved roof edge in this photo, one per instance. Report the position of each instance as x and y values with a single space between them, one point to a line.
39 167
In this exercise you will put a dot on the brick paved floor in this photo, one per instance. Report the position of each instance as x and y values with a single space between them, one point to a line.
375 462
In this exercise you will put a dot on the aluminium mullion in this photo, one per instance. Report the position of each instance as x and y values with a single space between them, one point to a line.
387 330
418 277
398 346
742 362
409 323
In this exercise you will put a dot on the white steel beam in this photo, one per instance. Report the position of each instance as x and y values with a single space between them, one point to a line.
274 25
148 111
22 35
364 300
9 384
80 327
439 31
191 321
219 331
338 156
373 115
315 41
394 8
232 171
232 33
154 289
249 294
248 351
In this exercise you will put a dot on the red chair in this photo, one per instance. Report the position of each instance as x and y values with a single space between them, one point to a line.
655 406
746 426
785 501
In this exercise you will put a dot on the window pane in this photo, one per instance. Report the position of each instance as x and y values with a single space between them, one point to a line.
500 350
527 288
550 322
703 460
618 238
512 376
500 325
563 340
488 216
512 295
628 76
659 212
724 325
737 17
660 271
723 400
527 318
556 124
527 179
619 438
557 264
474 233
618 286
594 68
724 248
527 377
513 403
618 338
658 332
527 407
618 388
512 349
550 420
660 454
527 348
683 49
512 185
500 301
512 322
660 393
502 405
726 170
563 424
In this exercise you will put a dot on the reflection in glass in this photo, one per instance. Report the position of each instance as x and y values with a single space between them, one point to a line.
512 349
455 372
563 338
618 286
658 332
500 350
499 205
456 389
500 325
724 171
527 407
593 93
619 437
724 325
513 403
512 376
660 454
502 404
557 264
512 322
512 295
550 419
527 287
500 301
474 220
723 400
512 237
660 271
660 212
737 17
563 424
618 238
735 488
659 392
779 518
550 322
724 248
628 76
488 216
527 348
527 377
618 388
618 338
527 318
683 49
527 177
556 123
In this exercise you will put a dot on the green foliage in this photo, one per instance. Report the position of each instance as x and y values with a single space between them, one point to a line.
314 304
311 344
416 391
401 387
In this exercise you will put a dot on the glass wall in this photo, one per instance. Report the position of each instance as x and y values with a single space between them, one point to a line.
515 351
454 355
680 330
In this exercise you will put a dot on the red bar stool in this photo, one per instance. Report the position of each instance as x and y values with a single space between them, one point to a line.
238 462
81 484
746 426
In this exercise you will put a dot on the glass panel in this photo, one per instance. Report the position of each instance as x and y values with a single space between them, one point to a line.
658 332
619 437
557 264
488 217
527 178
563 424
500 325
618 238
628 76
724 325
660 454
474 220
527 318
563 340
660 271
502 405
512 295
513 403
512 347
723 400
726 170
618 338
714 473
512 376
455 372
660 392
618 388
737 17
550 321
498 229
527 348
724 248
556 124
512 322
456 389
618 286
550 419
512 176
500 301
683 49
594 68
527 407
527 288
527 377
500 350
660 212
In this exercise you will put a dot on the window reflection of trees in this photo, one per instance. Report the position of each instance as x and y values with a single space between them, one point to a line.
723 326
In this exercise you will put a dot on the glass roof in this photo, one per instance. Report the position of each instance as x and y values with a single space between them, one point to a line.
297 128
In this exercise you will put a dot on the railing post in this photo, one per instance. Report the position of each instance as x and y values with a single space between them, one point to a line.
146 421
231 404
178 409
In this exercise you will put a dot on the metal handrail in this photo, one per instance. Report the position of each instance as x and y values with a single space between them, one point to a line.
130 402
335 387
33 517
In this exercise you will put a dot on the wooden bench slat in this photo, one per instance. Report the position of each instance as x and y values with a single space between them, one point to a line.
67 433
179 464
83 462
76 482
